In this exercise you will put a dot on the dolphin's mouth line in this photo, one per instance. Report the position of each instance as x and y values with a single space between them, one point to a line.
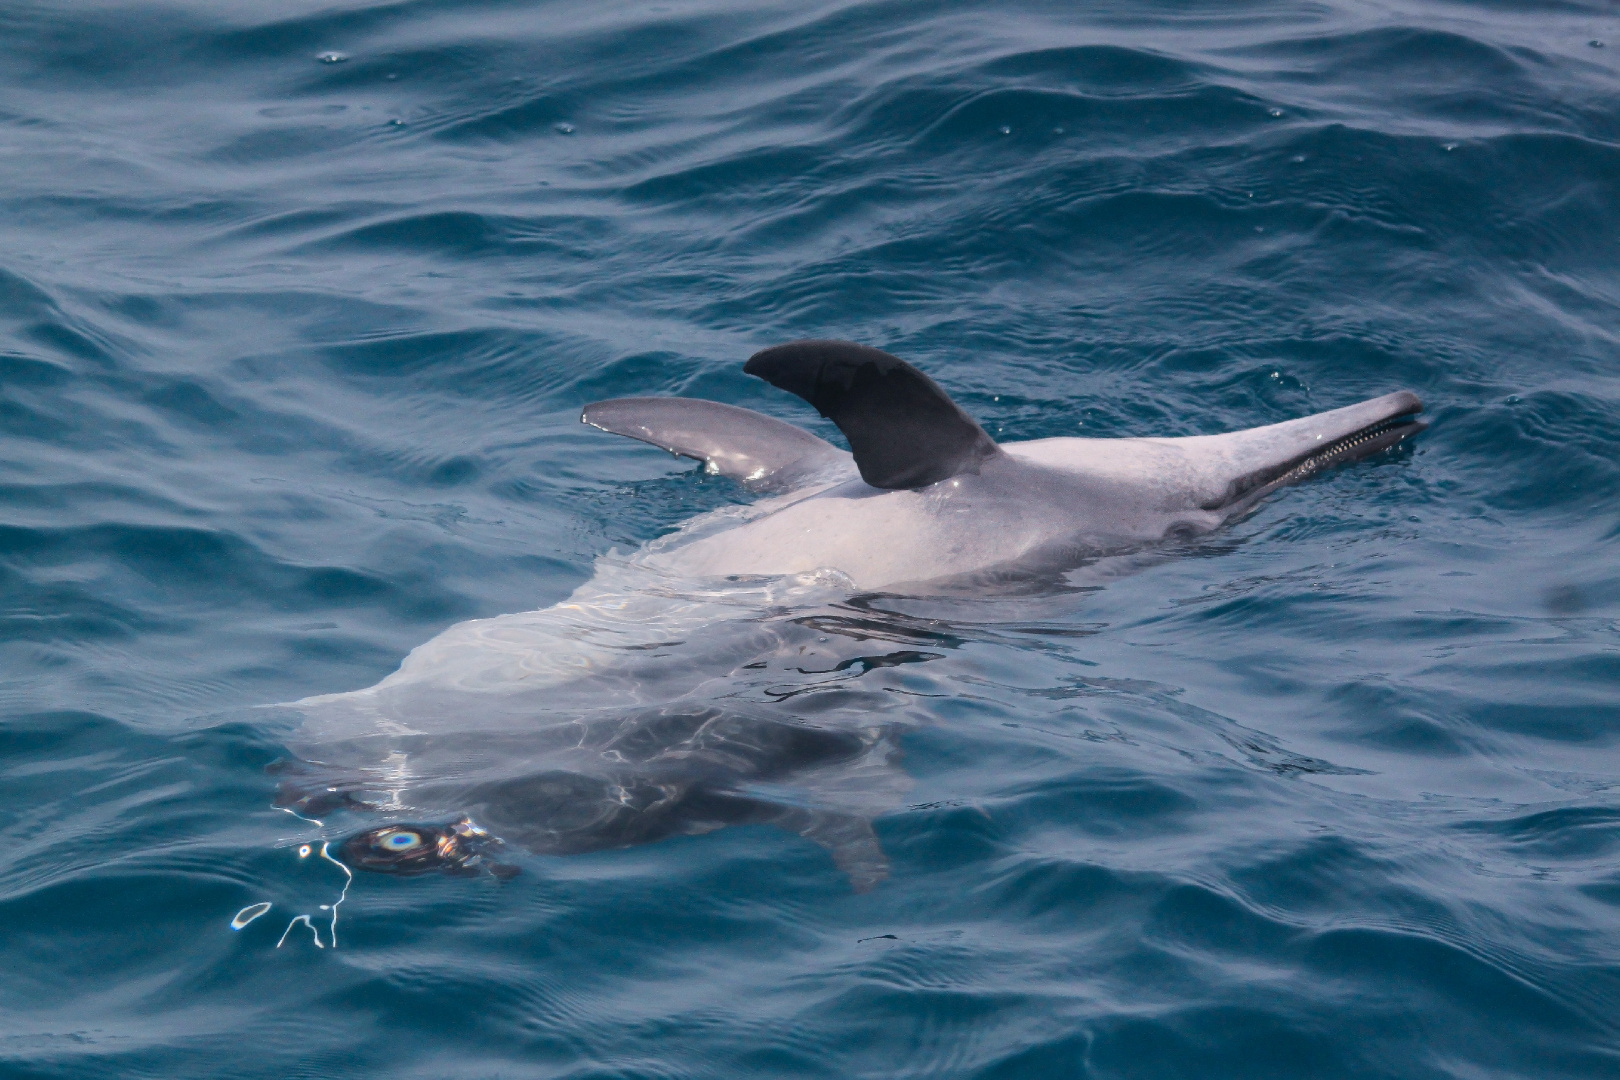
1387 433
1352 447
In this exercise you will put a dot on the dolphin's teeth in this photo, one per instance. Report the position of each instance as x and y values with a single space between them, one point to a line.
1322 457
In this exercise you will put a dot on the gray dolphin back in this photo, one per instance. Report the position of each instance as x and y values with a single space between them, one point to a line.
905 431
764 453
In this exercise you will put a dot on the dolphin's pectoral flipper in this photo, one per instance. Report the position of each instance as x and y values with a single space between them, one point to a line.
310 790
854 846
759 450
905 431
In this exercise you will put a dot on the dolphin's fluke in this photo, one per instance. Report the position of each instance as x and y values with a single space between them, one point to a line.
759 450
905 431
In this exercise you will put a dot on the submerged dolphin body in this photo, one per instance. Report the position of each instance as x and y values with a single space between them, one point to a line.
680 689
618 778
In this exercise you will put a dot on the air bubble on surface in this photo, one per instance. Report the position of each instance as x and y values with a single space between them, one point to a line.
249 913
1275 112
1004 129
331 57
563 128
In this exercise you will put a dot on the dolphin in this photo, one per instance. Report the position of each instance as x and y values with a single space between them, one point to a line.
678 691
572 784
925 495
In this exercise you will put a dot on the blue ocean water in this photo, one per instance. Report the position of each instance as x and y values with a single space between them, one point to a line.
299 304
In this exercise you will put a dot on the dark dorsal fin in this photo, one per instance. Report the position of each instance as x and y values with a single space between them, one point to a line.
904 430
763 452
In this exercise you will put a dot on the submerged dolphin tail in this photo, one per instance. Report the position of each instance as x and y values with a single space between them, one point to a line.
904 430
761 451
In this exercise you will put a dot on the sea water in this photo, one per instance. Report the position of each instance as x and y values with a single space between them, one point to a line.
299 305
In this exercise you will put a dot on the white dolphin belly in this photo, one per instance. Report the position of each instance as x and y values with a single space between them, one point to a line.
1014 508
874 538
